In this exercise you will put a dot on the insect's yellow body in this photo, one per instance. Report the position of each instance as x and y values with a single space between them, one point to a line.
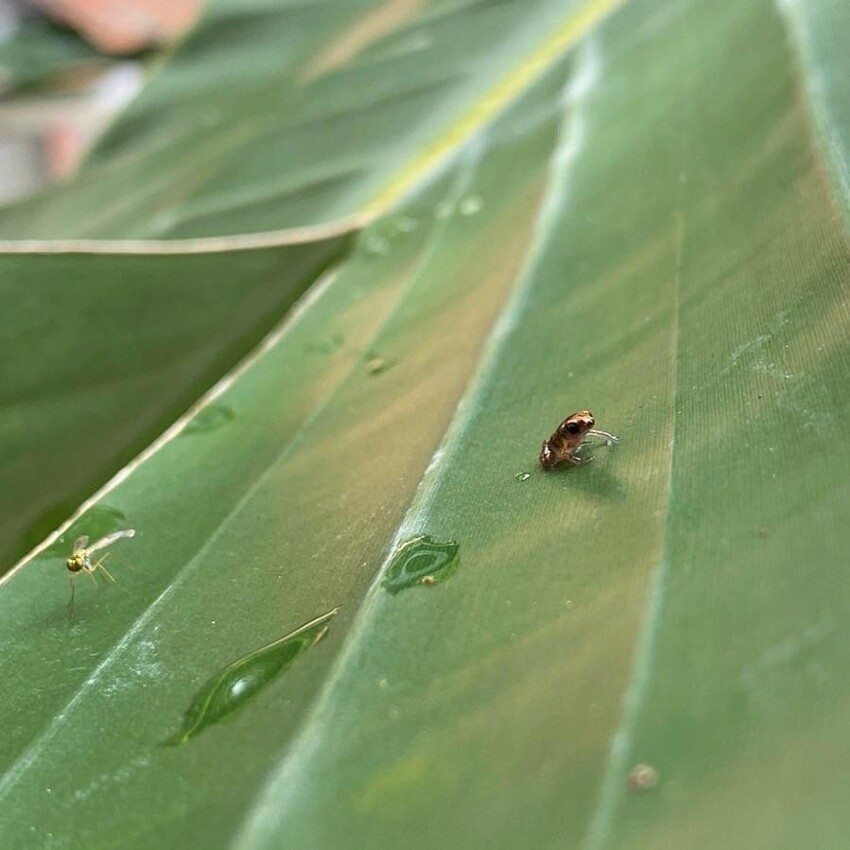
77 561
80 558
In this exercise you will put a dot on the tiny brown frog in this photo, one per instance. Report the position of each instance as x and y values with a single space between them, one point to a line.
562 446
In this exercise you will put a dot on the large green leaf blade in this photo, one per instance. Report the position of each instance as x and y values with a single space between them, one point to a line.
684 599
679 602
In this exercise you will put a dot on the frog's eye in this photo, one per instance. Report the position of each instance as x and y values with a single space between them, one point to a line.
573 427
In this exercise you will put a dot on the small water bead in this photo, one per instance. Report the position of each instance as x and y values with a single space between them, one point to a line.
471 205
415 42
377 245
444 209
406 224
522 476
163 222
329 345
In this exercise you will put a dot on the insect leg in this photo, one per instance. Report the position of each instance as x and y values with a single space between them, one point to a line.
71 602
104 570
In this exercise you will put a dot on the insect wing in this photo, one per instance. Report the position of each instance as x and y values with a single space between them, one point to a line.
80 542
109 539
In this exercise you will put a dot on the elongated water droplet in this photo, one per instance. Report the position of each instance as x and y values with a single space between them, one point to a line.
522 476
241 680
421 561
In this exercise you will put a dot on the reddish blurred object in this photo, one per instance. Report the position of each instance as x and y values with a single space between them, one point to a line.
124 26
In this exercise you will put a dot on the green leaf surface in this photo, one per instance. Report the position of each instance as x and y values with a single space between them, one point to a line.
641 214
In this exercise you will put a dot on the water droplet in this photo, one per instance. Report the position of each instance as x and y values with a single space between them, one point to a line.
421 561
522 476
210 418
444 209
241 680
377 245
164 221
96 522
406 224
471 205
643 777
330 345
416 41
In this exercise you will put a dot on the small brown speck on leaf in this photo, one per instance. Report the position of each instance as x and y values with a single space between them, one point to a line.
376 365
643 777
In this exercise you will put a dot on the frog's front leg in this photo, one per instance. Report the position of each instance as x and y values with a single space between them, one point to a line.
609 439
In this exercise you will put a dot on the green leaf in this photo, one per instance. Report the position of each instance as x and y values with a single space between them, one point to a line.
638 210
102 352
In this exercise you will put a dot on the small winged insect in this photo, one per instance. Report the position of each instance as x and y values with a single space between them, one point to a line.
81 560
569 436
